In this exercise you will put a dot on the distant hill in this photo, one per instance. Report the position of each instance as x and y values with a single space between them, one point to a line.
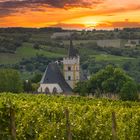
30 50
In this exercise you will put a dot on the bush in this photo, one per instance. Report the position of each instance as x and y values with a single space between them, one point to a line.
82 88
129 91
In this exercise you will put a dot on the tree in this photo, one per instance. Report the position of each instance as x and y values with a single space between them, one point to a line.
36 46
27 86
82 88
129 91
35 86
108 80
37 78
10 81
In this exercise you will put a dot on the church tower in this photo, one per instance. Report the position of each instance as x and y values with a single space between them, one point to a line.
71 66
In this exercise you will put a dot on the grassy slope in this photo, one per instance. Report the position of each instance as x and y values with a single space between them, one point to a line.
106 57
26 51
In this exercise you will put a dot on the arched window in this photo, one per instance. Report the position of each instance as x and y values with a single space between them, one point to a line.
69 68
69 77
55 90
47 90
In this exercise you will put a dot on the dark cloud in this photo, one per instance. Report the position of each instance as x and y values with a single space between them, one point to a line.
11 6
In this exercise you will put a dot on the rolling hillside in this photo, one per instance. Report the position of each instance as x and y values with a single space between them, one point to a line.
18 50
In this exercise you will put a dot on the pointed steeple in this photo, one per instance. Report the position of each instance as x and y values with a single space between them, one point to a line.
72 52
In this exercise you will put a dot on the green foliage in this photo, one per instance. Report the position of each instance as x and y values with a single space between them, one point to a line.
10 81
36 46
36 78
27 86
30 87
41 117
108 80
35 87
129 91
82 88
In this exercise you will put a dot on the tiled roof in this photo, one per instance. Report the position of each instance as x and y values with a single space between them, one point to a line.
53 75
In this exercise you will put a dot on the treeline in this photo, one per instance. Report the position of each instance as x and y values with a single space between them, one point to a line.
126 33
30 30
131 67
109 81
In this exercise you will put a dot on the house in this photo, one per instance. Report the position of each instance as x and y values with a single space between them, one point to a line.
55 81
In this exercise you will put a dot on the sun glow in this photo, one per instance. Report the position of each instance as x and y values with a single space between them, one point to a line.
90 24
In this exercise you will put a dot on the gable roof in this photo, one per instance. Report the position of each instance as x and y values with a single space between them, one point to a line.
72 52
53 75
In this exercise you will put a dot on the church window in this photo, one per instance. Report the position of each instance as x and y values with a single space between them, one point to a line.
69 68
47 90
69 78
54 90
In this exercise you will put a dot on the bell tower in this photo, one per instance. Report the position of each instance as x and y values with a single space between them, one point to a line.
71 66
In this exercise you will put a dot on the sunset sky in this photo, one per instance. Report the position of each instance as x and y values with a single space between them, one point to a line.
71 14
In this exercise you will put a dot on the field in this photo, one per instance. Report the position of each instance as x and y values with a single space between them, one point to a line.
27 51
41 117
107 57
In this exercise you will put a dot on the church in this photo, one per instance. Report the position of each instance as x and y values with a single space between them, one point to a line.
55 81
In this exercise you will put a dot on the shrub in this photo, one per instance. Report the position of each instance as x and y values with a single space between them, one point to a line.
129 91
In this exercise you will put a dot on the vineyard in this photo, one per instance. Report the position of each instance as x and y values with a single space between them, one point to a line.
41 117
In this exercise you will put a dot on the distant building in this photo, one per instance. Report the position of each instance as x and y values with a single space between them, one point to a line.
61 35
110 43
53 81
133 43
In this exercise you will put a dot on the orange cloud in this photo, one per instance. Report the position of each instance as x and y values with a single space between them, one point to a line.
118 24
70 26
69 13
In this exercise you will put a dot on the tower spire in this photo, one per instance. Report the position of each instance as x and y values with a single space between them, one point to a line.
72 52
71 43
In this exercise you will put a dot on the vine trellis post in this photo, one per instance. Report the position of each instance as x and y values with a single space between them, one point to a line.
114 126
12 126
68 128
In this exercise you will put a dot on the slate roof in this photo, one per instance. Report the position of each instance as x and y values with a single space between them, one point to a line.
72 52
53 75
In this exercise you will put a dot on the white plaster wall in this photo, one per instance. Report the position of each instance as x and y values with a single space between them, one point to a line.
50 87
